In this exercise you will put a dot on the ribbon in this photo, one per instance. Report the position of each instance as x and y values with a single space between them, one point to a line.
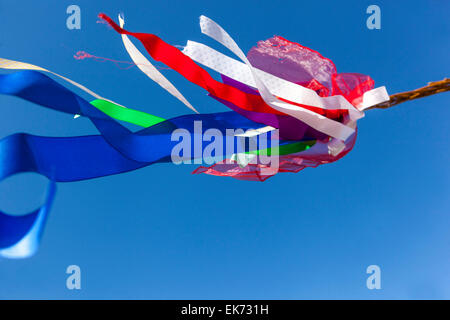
323 124
146 67
129 115
176 60
307 156
117 149
17 65
79 158
289 128
277 86
20 235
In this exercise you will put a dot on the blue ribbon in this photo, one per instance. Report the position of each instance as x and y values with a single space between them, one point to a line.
115 150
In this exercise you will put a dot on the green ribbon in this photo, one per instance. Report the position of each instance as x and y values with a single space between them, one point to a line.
146 120
136 117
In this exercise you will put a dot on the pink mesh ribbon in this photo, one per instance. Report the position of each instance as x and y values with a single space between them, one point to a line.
313 157
296 63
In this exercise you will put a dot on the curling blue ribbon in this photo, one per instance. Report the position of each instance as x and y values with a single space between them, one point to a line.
65 159
20 235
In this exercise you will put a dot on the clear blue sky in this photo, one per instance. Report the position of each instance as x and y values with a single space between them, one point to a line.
162 233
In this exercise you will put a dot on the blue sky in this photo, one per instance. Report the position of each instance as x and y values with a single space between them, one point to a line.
162 233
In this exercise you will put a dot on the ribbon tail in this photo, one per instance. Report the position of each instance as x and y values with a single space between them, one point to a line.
21 235
146 67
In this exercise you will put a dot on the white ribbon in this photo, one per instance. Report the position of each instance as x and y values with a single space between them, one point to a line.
146 67
277 86
323 124
373 97
280 87
255 132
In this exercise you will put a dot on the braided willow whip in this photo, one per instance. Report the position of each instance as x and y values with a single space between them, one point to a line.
430 89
